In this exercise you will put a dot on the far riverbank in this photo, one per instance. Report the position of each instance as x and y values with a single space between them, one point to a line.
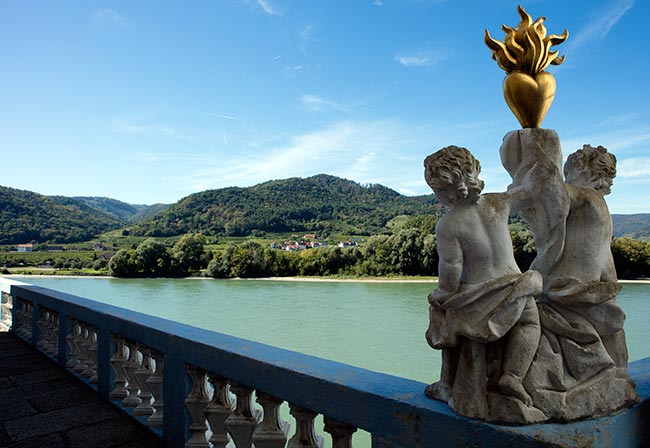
283 279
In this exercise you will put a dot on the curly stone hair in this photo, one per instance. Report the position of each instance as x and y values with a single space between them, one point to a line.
451 165
595 161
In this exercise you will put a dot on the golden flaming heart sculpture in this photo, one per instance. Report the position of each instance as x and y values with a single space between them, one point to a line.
524 54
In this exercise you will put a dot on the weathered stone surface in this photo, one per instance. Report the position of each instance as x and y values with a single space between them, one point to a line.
551 347
484 307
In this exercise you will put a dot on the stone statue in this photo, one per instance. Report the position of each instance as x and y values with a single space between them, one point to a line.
580 367
547 344
484 307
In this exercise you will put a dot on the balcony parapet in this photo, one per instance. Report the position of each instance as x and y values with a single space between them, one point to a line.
195 387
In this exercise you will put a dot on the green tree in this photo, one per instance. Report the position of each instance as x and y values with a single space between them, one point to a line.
153 258
124 263
631 257
188 254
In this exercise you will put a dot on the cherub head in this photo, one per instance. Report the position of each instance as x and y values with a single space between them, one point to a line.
591 167
452 174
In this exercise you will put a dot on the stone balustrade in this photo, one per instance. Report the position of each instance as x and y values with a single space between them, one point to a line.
199 388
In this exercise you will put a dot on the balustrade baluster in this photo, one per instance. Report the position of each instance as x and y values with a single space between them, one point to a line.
155 384
142 374
73 359
129 368
90 345
272 431
21 318
80 342
42 342
53 333
117 360
341 433
196 403
241 423
218 410
305 435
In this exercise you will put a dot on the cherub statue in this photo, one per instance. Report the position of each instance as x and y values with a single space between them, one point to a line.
483 315
580 368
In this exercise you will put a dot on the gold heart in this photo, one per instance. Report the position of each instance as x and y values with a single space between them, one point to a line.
529 98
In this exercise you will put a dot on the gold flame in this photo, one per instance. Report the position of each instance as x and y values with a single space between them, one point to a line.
526 48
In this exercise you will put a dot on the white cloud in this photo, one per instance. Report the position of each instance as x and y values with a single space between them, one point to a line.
264 5
144 128
354 150
600 26
387 152
226 117
306 32
319 104
635 167
109 17
619 142
422 59
378 3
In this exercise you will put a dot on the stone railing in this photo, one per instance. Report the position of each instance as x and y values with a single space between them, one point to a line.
199 388
6 302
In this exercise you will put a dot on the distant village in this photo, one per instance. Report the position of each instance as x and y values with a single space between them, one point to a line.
98 246
309 241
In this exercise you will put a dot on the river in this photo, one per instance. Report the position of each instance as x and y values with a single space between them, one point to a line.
375 325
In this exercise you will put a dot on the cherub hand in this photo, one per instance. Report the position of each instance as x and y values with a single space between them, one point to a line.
438 297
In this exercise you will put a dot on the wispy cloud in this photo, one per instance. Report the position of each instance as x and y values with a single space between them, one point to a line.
388 151
306 35
378 3
348 149
597 29
109 17
635 167
265 6
319 104
226 117
143 128
621 142
421 59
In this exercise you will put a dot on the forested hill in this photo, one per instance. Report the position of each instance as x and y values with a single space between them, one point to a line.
123 211
633 226
31 217
319 203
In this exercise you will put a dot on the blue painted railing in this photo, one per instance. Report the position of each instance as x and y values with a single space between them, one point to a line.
393 410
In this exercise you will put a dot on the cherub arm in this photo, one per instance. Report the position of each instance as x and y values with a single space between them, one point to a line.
519 198
450 268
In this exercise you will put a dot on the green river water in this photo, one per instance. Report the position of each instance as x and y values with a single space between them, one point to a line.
376 325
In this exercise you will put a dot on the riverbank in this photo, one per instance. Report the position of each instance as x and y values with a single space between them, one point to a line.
285 279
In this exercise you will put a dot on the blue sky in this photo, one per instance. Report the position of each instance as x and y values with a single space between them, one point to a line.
148 101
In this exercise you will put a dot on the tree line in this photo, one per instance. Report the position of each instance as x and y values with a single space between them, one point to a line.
411 251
